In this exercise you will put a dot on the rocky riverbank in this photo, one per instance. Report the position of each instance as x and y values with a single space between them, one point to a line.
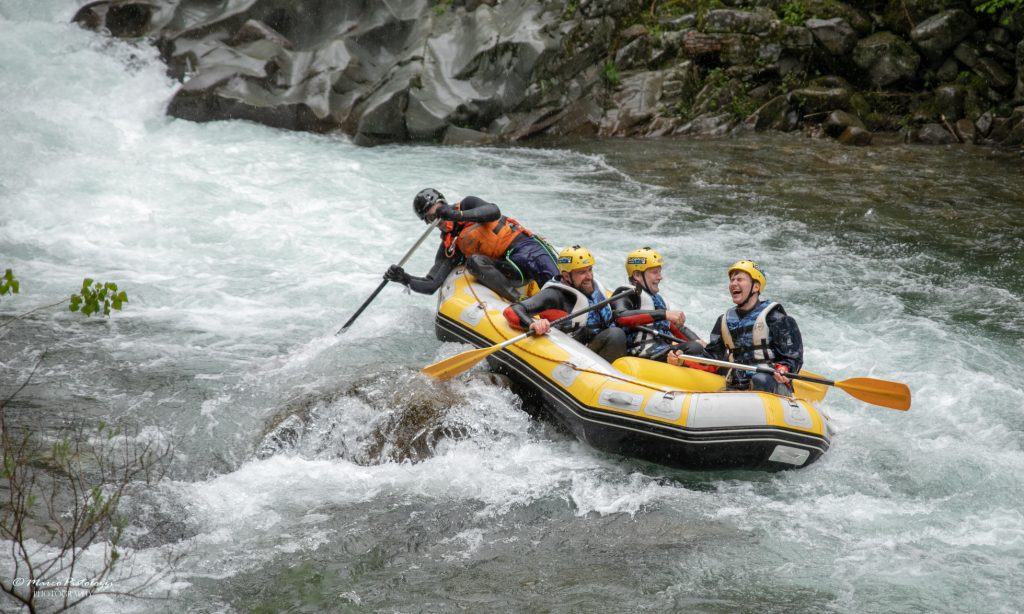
484 71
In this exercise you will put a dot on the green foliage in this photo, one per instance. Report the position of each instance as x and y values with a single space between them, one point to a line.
611 73
96 296
742 106
442 7
994 6
794 13
9 284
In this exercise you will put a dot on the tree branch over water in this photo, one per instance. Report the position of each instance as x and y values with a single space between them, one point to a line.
61 495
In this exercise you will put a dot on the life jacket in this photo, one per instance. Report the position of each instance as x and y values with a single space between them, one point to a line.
748 337
643 343
596 320
487 238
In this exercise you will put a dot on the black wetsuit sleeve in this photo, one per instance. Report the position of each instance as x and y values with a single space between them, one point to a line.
624 304
429 283
547 298
716 346
786 341
473 209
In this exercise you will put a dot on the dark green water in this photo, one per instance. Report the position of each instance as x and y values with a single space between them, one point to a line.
244 249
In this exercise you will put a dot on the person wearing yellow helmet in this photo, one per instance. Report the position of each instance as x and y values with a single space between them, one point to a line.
756 332
498 251
649 309
574 289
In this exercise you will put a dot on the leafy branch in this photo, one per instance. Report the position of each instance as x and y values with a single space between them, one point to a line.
9 284
97 295
94 297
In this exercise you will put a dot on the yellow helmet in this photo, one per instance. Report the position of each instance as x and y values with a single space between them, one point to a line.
575 257
641 260
750 268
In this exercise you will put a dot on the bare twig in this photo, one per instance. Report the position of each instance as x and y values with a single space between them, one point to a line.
28 313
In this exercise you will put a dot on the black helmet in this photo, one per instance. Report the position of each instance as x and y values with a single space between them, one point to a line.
425 200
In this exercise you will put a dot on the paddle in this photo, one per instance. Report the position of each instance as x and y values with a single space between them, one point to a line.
460 363
883 393
401 262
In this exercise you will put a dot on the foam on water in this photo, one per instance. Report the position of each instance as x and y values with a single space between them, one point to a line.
244 248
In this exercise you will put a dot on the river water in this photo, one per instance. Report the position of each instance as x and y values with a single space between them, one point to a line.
315 472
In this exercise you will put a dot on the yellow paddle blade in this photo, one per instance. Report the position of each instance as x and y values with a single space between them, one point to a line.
878 392
460 363
809 391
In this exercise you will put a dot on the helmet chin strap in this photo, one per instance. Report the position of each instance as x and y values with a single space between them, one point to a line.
643 282
749 294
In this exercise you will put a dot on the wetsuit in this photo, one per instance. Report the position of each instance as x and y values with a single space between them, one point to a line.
525 257
597 329
777 343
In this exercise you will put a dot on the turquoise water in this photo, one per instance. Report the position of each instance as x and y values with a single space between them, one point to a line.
244 248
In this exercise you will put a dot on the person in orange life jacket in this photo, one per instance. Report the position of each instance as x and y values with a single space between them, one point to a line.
648 308
574 289
498 251
756 332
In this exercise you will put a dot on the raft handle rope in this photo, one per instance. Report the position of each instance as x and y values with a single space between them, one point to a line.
634 380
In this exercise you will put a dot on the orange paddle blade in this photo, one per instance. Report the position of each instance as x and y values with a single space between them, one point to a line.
809 391
878 392
460 363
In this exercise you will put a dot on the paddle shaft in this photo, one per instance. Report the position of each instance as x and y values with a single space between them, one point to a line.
735 365
383 283
450 367
567 317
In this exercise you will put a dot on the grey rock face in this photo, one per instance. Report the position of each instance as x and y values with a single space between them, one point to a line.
636 102
379 71
481 71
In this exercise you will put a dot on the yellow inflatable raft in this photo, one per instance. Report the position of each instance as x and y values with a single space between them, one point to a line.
674 416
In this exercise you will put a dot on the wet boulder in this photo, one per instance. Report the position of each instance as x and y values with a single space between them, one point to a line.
708 124
776 114
886 59
933 134
125 19
1018 91
965 130
949 101
821 98
838 121
760 22
835 35
942 32
856 136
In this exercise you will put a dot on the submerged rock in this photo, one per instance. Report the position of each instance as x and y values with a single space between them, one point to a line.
390 417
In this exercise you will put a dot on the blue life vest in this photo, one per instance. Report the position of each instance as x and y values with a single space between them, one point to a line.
596 320
748 337
642 343
602 318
